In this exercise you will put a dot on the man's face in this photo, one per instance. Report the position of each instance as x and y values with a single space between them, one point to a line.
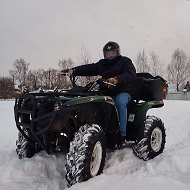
110 54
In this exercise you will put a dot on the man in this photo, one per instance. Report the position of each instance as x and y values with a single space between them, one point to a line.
187 86
117 70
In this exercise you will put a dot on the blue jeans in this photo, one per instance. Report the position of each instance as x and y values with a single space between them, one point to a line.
121 101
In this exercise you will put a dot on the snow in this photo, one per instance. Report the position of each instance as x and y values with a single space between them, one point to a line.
123 170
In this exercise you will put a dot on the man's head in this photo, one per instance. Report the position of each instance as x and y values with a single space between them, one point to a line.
111 50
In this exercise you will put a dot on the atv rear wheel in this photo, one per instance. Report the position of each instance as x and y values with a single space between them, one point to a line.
24 148
153 139
86 157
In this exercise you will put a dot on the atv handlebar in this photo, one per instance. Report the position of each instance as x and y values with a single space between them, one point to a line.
89 86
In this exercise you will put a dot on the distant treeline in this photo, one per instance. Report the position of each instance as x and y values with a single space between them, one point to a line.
177 72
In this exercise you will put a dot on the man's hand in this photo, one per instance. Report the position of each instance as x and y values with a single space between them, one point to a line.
110 82
66 71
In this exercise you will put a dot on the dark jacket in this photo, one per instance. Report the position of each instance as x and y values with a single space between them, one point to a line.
120 67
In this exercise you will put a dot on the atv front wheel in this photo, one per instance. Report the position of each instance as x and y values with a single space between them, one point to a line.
153 139
86 157
24 148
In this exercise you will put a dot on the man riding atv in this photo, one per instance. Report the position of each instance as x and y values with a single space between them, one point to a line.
119 73
84 122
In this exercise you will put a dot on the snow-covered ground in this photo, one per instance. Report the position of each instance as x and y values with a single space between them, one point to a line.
170 170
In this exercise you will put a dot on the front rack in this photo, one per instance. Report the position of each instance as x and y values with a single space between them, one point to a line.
30 113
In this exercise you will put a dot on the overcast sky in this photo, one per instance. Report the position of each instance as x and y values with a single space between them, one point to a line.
46 31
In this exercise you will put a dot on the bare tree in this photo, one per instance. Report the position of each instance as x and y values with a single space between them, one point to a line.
12 74
6 88
155 65
86 59
178 69
33 82
64 82
65 64
20 71
41 78
52 78
85 56
142 63
46 79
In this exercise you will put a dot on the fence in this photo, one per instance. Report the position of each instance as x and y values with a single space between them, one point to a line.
178 96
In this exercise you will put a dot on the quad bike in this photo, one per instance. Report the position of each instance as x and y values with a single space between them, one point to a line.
83 124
